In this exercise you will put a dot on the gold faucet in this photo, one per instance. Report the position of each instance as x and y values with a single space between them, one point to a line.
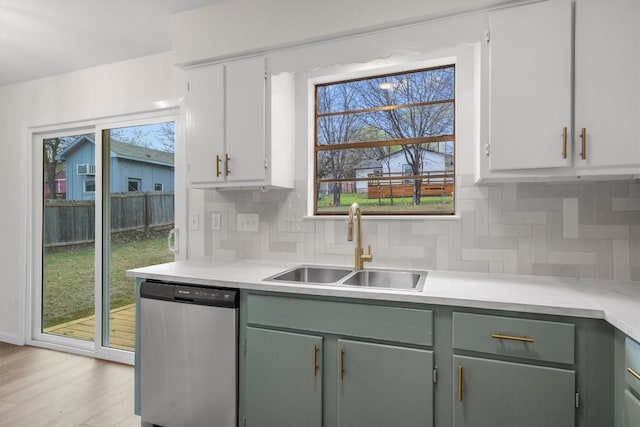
361 257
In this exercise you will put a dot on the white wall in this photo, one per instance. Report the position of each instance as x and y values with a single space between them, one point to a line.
243 26
92 93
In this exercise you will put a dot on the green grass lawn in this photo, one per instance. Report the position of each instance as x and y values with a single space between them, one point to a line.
403 204
69 277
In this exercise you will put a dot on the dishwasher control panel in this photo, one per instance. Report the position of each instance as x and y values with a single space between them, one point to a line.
188 294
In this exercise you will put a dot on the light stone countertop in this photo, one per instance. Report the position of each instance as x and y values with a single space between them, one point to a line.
616 302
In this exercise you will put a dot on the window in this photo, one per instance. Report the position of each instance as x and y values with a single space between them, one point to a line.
386 142
157 186
133 184
89 184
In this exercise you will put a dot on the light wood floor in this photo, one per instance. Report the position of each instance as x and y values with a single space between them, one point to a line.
122 324
41 387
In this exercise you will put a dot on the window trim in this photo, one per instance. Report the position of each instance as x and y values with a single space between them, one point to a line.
372 73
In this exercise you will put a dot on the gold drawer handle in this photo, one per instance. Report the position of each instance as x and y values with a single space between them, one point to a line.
341 364
499 336
315 360
459 383
564 142
634 373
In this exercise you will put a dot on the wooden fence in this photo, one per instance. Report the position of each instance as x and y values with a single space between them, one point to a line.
73 221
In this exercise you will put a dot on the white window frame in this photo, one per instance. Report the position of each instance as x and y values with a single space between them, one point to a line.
31 308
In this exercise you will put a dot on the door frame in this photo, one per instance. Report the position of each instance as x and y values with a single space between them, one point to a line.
164 111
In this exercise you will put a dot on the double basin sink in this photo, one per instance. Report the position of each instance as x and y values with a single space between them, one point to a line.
341 276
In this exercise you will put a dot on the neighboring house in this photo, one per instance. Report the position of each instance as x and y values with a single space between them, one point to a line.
396 164
133 168
61 186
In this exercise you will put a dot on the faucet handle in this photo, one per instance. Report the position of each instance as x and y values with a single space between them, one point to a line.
367 257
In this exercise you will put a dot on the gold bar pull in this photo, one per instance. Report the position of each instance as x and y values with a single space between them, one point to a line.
500 336
634 373
459 383
583 138
218 160
226 164
341 364
564 142
315 360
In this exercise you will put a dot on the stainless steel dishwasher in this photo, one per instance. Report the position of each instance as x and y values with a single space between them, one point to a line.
188 355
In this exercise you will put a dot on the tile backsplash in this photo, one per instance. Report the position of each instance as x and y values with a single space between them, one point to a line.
582 229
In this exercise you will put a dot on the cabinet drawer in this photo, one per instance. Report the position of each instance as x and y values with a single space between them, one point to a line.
632 365
507 336
404 325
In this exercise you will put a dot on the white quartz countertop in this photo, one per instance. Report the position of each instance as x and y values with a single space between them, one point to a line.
616 302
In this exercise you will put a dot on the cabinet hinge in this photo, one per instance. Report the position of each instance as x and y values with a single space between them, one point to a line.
577 400
435 376
266 75
266 163
245 347
188 86
487 149
487 36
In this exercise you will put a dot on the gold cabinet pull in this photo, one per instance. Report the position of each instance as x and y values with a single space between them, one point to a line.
459 383
500 336
564 142
218 160
226 164
583 138
634 373
315 360
341 364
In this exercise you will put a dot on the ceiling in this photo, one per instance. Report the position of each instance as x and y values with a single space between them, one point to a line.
40 38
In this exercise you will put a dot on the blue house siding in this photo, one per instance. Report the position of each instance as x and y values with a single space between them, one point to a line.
149 174
83 154
148 167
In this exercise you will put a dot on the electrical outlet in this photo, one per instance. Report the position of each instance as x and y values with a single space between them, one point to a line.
215 221
247 222
194 221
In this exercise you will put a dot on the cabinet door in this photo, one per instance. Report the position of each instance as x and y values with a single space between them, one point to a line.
492 393
284 386
530 85
204 107
607 82
384 385
246 119
631 410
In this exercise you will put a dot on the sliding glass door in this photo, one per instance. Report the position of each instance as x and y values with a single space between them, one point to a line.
137 214
107 205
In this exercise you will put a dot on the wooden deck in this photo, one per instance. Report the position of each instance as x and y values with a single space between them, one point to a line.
122 324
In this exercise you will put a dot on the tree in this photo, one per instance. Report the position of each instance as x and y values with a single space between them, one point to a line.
335 130
426 111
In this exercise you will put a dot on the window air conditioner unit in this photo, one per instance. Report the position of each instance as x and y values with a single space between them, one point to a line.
85 169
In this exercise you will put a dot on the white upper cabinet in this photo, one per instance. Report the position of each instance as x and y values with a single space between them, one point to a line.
607 83
205 134
530 85
237 116
554 68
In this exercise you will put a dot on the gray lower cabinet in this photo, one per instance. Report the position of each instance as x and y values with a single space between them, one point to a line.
631 410
284 379
492 393
312 363
384 385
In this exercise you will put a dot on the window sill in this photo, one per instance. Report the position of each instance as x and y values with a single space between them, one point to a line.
455 217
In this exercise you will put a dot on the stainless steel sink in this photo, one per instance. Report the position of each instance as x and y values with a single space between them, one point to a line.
308 274
387 279
342 276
